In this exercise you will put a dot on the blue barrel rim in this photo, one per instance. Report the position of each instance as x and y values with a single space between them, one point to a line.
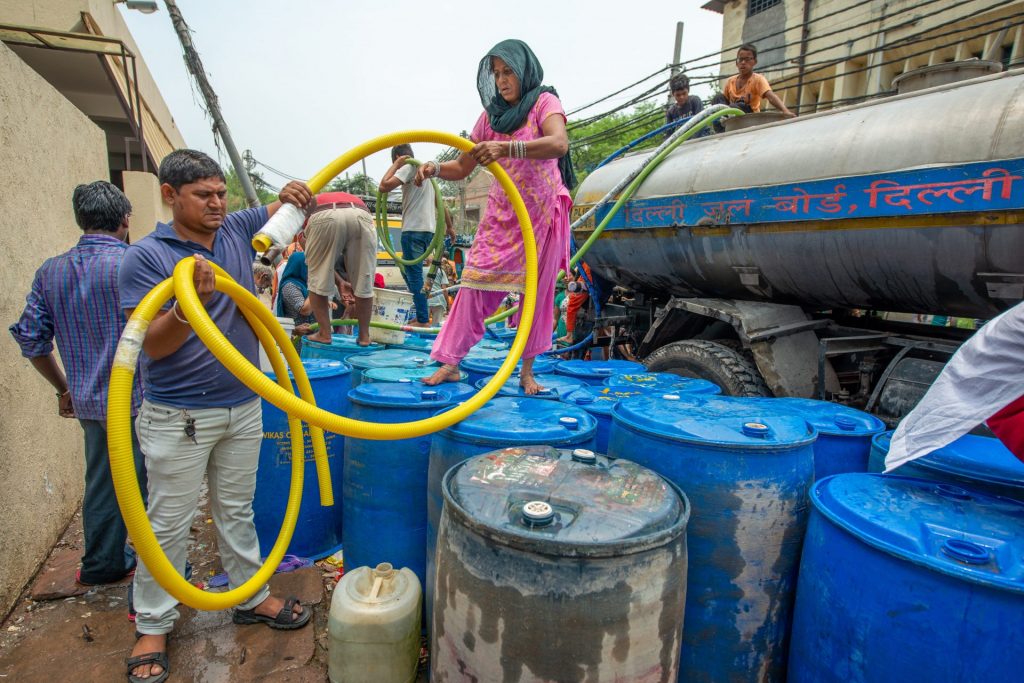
356 395
988 476
317 368
583 434
839 412
548 393
597 406
488 366
604 369
374 346
706 387
748 448
953 492
370 375
357 360
550 548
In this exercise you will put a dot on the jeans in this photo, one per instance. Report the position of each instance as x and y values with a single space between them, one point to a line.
226 449
413 245
107 557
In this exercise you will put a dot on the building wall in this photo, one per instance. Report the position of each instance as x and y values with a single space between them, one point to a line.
143 190
854 54
66 15
477 190
47 147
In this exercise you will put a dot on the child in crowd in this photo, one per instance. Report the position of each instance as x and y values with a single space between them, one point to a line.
746 89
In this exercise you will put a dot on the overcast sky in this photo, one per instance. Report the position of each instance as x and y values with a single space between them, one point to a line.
303 81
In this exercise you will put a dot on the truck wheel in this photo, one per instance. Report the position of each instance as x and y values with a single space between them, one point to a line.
711 361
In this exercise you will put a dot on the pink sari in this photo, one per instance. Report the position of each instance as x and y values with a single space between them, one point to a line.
497 261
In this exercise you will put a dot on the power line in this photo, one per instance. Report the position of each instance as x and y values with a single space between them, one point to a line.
650 93
276 172
914 39
685 63
901 58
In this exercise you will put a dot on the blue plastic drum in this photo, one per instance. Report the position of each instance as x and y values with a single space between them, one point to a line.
599 401
479 366
491 344
844 434
500 423
341 347
662 382
388 358
385 489
596 371
554 387
401 374
746 467
501 333
905 579
980 463
415 342
318 529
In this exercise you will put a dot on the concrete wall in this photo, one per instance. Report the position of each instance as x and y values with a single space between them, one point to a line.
47 147
143 190
66 15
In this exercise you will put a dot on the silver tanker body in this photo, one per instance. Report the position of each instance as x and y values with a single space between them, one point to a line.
913 203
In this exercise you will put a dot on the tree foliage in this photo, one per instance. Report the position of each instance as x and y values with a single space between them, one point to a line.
592 142
357 184
236 197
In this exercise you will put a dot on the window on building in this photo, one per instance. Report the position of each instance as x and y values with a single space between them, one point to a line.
758 6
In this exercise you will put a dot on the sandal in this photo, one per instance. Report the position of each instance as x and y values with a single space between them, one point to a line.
158 658
283 621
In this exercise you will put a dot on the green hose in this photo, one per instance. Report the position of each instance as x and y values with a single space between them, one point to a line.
626 195
436 246
638 181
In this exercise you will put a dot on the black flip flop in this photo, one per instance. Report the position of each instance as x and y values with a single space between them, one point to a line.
158 658
283 621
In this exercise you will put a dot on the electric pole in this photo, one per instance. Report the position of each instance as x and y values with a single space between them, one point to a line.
195 67
677 53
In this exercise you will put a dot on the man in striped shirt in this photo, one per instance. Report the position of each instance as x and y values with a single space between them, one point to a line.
74 298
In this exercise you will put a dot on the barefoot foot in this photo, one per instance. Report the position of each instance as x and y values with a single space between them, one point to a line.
445 373
529 385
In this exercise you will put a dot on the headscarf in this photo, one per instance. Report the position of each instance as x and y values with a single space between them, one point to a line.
295 271
507 118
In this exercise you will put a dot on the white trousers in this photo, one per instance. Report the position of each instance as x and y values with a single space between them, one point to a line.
226 449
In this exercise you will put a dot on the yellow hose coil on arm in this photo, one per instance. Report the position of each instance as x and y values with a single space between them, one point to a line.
279 394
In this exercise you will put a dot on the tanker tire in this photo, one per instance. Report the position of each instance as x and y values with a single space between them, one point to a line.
711 361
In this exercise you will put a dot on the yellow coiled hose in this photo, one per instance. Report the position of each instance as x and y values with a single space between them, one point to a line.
280 394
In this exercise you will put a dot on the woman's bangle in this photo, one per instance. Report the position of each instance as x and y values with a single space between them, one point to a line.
437 170
174 310
517 149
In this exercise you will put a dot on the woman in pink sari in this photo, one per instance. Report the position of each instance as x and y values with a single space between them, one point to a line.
523 127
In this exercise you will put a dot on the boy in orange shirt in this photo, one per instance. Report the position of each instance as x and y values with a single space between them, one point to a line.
746 89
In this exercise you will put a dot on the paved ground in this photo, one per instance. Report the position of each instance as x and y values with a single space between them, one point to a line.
84 634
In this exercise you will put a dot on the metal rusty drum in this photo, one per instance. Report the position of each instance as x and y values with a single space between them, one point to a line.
559 565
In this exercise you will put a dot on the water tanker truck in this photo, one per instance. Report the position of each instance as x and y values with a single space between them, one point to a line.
761 258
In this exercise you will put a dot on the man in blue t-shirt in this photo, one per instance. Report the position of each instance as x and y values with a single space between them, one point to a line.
197 418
